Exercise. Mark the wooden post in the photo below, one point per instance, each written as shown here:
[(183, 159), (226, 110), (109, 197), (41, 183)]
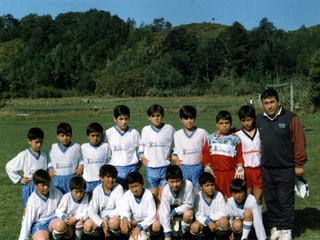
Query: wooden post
[(291, 96)]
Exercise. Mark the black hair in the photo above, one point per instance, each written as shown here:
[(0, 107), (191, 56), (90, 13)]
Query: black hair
[(206, 177), (173, 172), (77, 183), (64, 128), (41, 176), (35, 133), (134, 177), (247, 111), (121, 110), (269, 93), (155, 108), (108, 170), (237, 185), (188, 112), (94, 127), (224, 115)]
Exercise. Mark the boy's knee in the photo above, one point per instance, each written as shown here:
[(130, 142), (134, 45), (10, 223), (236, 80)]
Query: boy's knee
[(59, 225), (156, 226), (237, 225), (223, 223), (248, 215), (188, 216), (79, 224), (114, 223), (88, 226), (195, 227)]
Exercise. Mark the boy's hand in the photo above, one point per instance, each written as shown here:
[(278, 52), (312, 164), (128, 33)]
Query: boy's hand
[(52, 172), (208, 168), (79, 170), (70, 220), (232, 236), (106, 229), (138, 165), (201, 159), (239, 172), (25, 180), (169, 157), (144, 160), (135, 233), (213, 227), (125, 226), (167, 238), (177, 160)]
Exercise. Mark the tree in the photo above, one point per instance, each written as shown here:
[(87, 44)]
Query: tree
[(314, 79)]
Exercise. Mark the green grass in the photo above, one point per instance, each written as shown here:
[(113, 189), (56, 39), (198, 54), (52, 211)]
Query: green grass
[(14, 140)]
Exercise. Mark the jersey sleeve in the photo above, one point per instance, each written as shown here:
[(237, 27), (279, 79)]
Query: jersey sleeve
[(79, 155), (125, 208), (61, 211), (299, 140), (222, 211), (83, 214), (257, 221), (165, 215), (207, 159), (151, 206), (239, 153), (119, 203), (187, 201), (29, 219), (142, 143), (201, 217), (14, 165), (93, 209), (49, 163)]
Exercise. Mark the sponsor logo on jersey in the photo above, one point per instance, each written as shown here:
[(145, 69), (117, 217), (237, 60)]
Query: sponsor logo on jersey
[(63, 166), (119, 148), (30, 172), (95, 161), (190, 151), (222, 149), (106, 208), (154, 145), (258, 152)]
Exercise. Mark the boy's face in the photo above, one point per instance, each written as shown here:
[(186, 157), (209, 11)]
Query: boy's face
[(156, 119), (94, 138), (239, 196), (108, 181), (208, 188), (136, 188), (77, 194), (248, 123), (122, 122), (64, 138), (224, 125), (188, 123), (43, 189), (174, 183), (35, 144)]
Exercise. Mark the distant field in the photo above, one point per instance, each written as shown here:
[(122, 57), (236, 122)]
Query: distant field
[(15, 128)]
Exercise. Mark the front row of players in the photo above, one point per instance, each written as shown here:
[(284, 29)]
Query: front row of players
[(111, 212)]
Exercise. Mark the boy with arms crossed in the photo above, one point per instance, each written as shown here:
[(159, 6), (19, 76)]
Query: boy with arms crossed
[(28, 161), (138, 209), (40, 212), (222, 154), (104, 211), (177, 200), (65, 159), (154, 150), (123, 142), (73, 208), (189, 144)]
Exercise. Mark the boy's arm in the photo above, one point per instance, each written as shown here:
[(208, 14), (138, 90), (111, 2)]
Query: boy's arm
[(126, 208), (151, 206), (201, 217), (240, 162), (61, 211), (222, 211), (257, 221), (80, 162), (142, 149), (119, 197), (29, 219), (13, 166), (93, 209), (51, 170), (165, 216), (175, 153), (187, 201), (83, 214)]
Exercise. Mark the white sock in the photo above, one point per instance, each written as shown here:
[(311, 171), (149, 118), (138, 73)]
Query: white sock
[(57, 235), (78, 233), (246, 229), (184, 227)]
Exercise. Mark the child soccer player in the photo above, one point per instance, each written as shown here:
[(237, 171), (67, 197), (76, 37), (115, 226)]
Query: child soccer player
[(104, 211), (40, 212), (65, 159), (138, 209), (123, 142), (73, 208), (251, 150), (189, 144), (222, 154), (244, 211), (154, 151), (210, 208), (94, 154), (28, 161), (177, 200)]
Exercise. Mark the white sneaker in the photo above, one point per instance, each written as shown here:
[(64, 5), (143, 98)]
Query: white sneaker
[(275, 234), (285, 235)]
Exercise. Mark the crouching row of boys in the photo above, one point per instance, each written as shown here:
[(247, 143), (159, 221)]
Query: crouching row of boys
[(111, 212)]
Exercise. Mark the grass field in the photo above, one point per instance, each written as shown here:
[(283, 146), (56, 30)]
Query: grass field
[(14, 140)]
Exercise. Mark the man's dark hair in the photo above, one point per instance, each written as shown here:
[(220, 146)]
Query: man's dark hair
[(206, 177), (108, 170), (188, 112), (134, 177), (247, 111), (224, 115), (64, 128), (173, 172), (94, 127), (155, 108), (41, 176), (35, 133), (237, 185), (269, 93), (121, 110), (77, 183)]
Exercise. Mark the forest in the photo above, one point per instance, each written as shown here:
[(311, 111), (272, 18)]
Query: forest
[(96, 53)]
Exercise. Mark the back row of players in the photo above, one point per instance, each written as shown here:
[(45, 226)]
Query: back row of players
[(221, 153)]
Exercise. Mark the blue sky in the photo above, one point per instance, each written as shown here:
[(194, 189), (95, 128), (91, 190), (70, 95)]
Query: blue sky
[(284, 14)]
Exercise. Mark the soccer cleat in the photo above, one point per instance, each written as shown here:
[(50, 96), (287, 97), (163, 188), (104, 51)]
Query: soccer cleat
[(275, 234), (285, 235)]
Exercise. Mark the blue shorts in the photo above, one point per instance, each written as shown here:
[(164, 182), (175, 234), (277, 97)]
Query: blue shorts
[(123, 173), (26, 192), (156, 176), (192, 173), (42, 225), (62, 182), (91, 186)]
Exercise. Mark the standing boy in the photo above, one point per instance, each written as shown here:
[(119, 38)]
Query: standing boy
[(95, 154), (73, 208), (40, 212), (154, 150), (123, 142), (28, 161), (65, 159), (189, 144), (222, 154)]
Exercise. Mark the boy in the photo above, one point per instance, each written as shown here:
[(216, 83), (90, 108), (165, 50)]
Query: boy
[(189, 144), (94, 154), (244, 211), (138, 209), (28, 161), (104, 212), (123, 142), (251, 150), (177, 200), (65, 159), (73, 208), (222, 154), (210, 208), (40, 212), (154, 150)]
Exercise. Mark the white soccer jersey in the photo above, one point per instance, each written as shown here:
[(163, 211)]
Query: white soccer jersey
[(123, 146), (189, 147), (39, 209), (210, 211), (236, 211), (144, 211), (27, 162), (69, 207), (64, 161), (105, 205), (93, 158), (180, 204), (251, 148)]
